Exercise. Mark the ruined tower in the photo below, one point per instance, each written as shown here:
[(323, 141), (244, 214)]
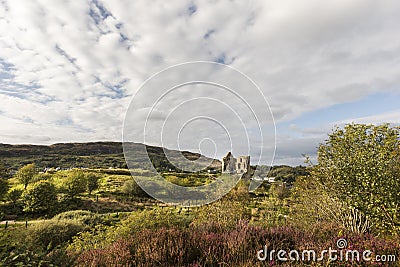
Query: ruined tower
[(235, 165)]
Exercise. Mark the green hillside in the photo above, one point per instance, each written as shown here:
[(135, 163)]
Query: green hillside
[(88, 155)]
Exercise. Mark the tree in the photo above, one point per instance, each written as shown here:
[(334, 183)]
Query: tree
[(74, 184), (14, 195), (25, 174), (40, 197), (360, 166), (92, 182), (131, 188)]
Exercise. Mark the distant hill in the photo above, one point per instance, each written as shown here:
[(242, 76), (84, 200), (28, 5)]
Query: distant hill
[(88, 155)]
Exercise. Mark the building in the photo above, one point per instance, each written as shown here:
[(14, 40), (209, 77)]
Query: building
[(231, 164)]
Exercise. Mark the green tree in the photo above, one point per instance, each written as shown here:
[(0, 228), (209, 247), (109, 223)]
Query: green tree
[(25, 174), (14, 195), (74, 184), (40, 197), (360, 166), (131, 188), (92, 182)]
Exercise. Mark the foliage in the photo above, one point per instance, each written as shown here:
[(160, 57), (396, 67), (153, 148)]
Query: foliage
[(82, 216), (229, 232), (223, 213), (101, 237), (74, 184), (279, 190), (40, 198), (92, 182), (42, 176), (131, 188), (286, 173), (153, 219), (3, 187), (14, 195), (188, 180), (3, 171), (112, 183), (18, 250), (227, 211), (360, 166), (220, 246), (49, 234), (26, 174), (311, 204), (271, 212)]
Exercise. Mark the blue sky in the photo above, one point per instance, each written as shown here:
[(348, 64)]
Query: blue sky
[(369, 105), (313, 127), (336, 115), (70, 69)]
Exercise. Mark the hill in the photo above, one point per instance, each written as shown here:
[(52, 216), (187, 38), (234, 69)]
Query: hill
[(88, 155)]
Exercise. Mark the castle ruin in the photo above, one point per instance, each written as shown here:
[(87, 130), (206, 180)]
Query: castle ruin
[(238, 165)]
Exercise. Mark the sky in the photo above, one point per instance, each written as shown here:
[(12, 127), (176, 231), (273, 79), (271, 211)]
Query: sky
[(69, 70)]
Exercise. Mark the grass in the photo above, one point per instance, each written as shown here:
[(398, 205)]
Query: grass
[(233, 228)]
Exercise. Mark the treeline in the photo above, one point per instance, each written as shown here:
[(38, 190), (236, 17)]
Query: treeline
[(42, 193)]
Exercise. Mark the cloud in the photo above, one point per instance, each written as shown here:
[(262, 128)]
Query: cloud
[(69, 68), (392, 117)]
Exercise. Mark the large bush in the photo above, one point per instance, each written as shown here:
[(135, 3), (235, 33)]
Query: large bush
[(74, 184), (131, 188), (41, 198), (153, 219), (360, 166), (51, 233)]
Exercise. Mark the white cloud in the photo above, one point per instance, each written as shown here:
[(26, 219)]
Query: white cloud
[(392, 117), (69, 68)]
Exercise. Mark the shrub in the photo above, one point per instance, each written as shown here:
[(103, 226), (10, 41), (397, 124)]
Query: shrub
[(14, 195), (16, 251), (41, 197), (359, 165), (131, 188), (221, 213), (101, 236), (153, 219), (3, 187), (74, 184), (52, 233), (198, 246), (82, 216)]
